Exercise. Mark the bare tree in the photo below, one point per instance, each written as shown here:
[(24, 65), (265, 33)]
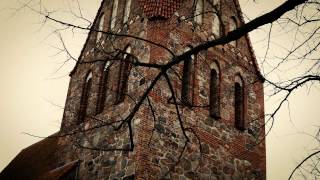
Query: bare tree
[(299, 17)]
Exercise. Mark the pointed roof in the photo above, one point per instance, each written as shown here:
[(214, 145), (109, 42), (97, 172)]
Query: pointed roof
[(39, 161), (60, 172), (160, 8), (33, 161)]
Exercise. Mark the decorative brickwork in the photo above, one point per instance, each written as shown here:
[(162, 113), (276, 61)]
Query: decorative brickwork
[(160, 8)]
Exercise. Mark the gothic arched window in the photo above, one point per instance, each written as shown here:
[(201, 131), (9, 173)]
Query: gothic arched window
[(233, 26), (216, 29), (239, 103), (186, 81), (85, 98), (214, 99), (100, 28), (104, 87), (198, 13), (124, 71), (127, 11), (114, 14)]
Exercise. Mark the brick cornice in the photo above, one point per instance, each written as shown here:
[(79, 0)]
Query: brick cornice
[(160, 8)]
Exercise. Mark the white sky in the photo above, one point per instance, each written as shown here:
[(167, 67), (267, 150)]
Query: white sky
[(31, 88)]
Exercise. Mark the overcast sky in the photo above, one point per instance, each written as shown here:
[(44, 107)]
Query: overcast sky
[(33, 88)]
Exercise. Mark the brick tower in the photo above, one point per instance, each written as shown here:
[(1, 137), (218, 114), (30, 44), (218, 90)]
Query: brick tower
[(205, 122)]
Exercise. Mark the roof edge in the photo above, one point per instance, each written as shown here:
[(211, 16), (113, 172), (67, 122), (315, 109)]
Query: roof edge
[(254, 58)]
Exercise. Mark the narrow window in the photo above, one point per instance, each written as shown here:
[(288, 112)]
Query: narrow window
[(216, 31), (198, 13), (101, 25), (233, 26), (127, 12), (85, 98), (104, 87), (186, 81), (214, 99), (114, 14), (124, 72), (239, 104)]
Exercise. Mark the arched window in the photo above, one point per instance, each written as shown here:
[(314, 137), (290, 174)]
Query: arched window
[(127, 12), (101, 26), (233, 26), (214, 99), (216, 30), (124, 72), (85, 98), (198, 13), (104, 87), (239, 103), (114, 14), (186, 81)]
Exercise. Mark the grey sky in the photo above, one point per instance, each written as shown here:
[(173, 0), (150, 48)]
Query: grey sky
[(33, 92)]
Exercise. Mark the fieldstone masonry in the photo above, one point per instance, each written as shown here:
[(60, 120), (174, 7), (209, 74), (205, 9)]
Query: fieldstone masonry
[(217, 149)]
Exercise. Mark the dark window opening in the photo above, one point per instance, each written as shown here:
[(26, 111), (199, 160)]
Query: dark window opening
[(124, 72), (214, 95), (186, 79), (239, 107), (104, 88), (85, 99)]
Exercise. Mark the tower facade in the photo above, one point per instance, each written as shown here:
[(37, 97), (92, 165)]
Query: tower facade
[(209, 125), (129, 116)]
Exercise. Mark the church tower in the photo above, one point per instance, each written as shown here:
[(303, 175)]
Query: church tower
[(210, 125), (130, 116)]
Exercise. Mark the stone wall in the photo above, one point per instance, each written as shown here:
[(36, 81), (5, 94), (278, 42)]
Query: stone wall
[(216, 150)]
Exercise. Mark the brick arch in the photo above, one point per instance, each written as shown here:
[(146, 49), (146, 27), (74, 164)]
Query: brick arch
[(215, 65), (238, 79), (160, 8)]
